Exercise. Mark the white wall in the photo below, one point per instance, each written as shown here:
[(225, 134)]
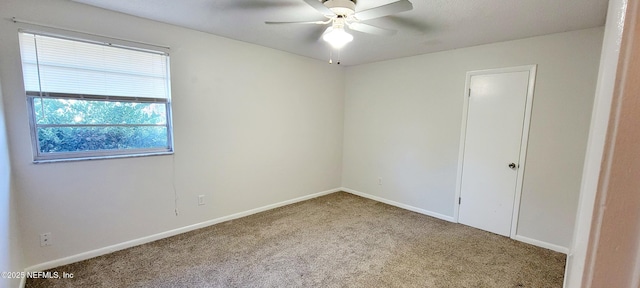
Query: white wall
[(403, 119), (253, 127), (11, 258)]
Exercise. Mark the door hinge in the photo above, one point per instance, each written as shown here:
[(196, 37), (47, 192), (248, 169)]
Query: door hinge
[(459, 200), (469, 95)]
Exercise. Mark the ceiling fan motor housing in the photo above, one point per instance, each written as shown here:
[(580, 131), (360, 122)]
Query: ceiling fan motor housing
[(343, 8)]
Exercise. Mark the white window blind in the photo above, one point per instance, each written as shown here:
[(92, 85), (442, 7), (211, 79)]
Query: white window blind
[(91, 100), (63, 66)]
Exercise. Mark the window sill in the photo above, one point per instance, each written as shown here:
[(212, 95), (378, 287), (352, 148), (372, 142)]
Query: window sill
[(101, 157)]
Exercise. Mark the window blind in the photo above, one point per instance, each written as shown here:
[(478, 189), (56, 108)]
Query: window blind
[(57, 65)]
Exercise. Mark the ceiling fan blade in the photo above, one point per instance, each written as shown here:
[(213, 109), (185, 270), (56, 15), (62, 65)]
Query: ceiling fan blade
[(296, 22), (370, 29), (384, 10), (320, 7)]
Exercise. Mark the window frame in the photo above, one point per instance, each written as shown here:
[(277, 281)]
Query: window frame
[(43, 157)]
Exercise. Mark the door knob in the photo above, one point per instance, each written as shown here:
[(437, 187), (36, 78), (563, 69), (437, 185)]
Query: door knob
[(513, 165)]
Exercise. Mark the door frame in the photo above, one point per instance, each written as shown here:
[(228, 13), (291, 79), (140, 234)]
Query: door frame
[(523, 143)]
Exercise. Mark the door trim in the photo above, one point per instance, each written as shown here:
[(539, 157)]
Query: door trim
[(523, 143)]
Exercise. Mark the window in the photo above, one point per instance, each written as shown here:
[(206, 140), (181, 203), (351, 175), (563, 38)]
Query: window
[(92, 100)]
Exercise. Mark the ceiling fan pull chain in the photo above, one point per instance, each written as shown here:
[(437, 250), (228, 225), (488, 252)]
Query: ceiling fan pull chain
[(330, 56)]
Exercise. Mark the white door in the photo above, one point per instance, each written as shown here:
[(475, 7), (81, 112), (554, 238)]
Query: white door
[(494, 134)]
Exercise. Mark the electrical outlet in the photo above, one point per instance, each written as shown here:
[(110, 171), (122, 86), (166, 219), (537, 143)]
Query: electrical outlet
[(45, 239), (200, 200), (379, 180)]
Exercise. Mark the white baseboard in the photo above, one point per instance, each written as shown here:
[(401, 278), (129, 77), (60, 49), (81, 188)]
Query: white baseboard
[(151, 238), (542, 244), (399, 205), (166, 234), (520, 238)]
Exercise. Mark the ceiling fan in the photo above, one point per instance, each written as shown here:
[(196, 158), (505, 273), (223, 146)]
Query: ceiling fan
[(342, 13)]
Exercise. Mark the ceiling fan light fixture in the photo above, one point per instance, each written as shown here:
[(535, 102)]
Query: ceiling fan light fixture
[(337, 37), (344, 8)]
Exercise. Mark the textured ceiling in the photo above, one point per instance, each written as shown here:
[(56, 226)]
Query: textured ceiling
[(433, 25)]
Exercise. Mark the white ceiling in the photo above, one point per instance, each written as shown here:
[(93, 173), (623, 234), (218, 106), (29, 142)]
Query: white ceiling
[(433, 25)]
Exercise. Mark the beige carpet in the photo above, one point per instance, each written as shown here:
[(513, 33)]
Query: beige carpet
[(338, 240)]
